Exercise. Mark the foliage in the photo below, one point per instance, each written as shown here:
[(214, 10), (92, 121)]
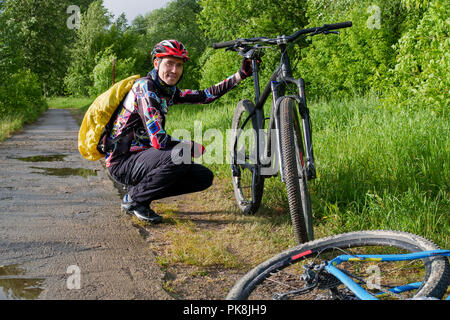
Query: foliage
[(21, 86), (21, 94), (11, 56), (398, 48), (251, 18), (41, 38), (102, 73), (356, 60), (420, 75), (90, 41), (99, 33), (178, 20)]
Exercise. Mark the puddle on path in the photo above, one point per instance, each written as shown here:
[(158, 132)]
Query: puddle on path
[(66, 172), (43, 158), (13, 287)]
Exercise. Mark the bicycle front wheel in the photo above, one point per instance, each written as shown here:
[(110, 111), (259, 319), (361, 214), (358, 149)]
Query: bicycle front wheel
[(283, 276), (292, 152)]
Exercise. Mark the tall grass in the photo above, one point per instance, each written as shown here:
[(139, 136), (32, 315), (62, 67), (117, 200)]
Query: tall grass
[(77, 105), (377, 167), (69, 102), (382, 169), (9, 124), (13, 122)]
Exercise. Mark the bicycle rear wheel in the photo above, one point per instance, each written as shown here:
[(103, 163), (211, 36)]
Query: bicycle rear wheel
[(292, 152), (283, 273), (248, 183)]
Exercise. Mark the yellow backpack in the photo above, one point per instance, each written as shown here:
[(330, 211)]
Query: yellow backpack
[(99, 115)]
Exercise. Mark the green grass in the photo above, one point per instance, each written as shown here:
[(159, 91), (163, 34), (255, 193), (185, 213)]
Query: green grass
[(377, 168), (69, 102), (77, 105), (382, 169), (14, 121), (10, 124)]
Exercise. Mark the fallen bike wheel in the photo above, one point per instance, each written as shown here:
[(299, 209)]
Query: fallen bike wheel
[(288, 275), (248, 183)]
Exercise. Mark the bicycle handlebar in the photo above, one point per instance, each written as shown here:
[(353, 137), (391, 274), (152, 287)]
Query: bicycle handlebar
[(225, 44), (282, 39), (339, 25)]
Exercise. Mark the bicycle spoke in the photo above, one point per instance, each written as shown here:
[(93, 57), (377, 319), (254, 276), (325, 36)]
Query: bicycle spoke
[(291, 282), (247, 183)]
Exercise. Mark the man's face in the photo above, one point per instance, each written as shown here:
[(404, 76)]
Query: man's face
[(170, 69)]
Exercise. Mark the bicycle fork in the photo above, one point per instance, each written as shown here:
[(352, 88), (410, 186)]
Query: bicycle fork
[(275, 123)]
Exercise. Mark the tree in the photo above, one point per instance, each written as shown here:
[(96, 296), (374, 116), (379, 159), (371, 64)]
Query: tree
[(357, 60), (102, 72), (420, 75), (10, 40), (176, 21), (100, 38), (90, 40), (20, 89), (39, 40)]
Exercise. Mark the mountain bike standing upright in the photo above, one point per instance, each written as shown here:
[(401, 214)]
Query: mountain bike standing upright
[(288, 133)]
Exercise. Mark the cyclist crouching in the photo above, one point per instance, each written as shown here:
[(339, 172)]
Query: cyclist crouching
[(144, 161)]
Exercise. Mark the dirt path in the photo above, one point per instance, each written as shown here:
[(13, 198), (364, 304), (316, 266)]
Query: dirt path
[(204, 214), (60, 220), (60, 215)]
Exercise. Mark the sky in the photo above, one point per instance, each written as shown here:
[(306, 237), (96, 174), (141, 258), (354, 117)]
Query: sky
[(133, 8)]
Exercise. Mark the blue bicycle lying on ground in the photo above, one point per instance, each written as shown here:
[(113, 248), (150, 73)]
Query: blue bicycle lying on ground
[(364, 265)]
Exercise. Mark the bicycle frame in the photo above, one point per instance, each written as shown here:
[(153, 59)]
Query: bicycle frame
[(277, 85), (362, 293)]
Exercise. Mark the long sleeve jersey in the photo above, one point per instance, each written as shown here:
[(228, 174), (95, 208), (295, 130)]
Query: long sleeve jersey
[(145, 109)]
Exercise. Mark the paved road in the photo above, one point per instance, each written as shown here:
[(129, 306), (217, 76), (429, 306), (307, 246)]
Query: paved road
[(60, 223)]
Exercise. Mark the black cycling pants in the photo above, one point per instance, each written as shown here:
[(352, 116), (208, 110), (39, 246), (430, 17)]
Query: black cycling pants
[(152, 175)]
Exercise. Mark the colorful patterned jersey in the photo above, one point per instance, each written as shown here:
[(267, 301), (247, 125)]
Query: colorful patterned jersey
[(146, 107)]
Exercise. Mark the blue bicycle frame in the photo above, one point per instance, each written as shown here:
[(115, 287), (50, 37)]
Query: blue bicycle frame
[(358, 290)]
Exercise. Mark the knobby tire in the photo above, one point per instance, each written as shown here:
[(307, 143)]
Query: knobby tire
[(295, 179)]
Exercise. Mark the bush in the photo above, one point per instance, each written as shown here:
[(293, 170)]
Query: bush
[(231, 19), (102, 74), (420, 76), (22, 94), (357, 59)]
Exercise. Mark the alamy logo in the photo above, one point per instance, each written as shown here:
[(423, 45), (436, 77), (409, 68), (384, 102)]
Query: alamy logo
[(374, 20), (74, 280), (73, 21)]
